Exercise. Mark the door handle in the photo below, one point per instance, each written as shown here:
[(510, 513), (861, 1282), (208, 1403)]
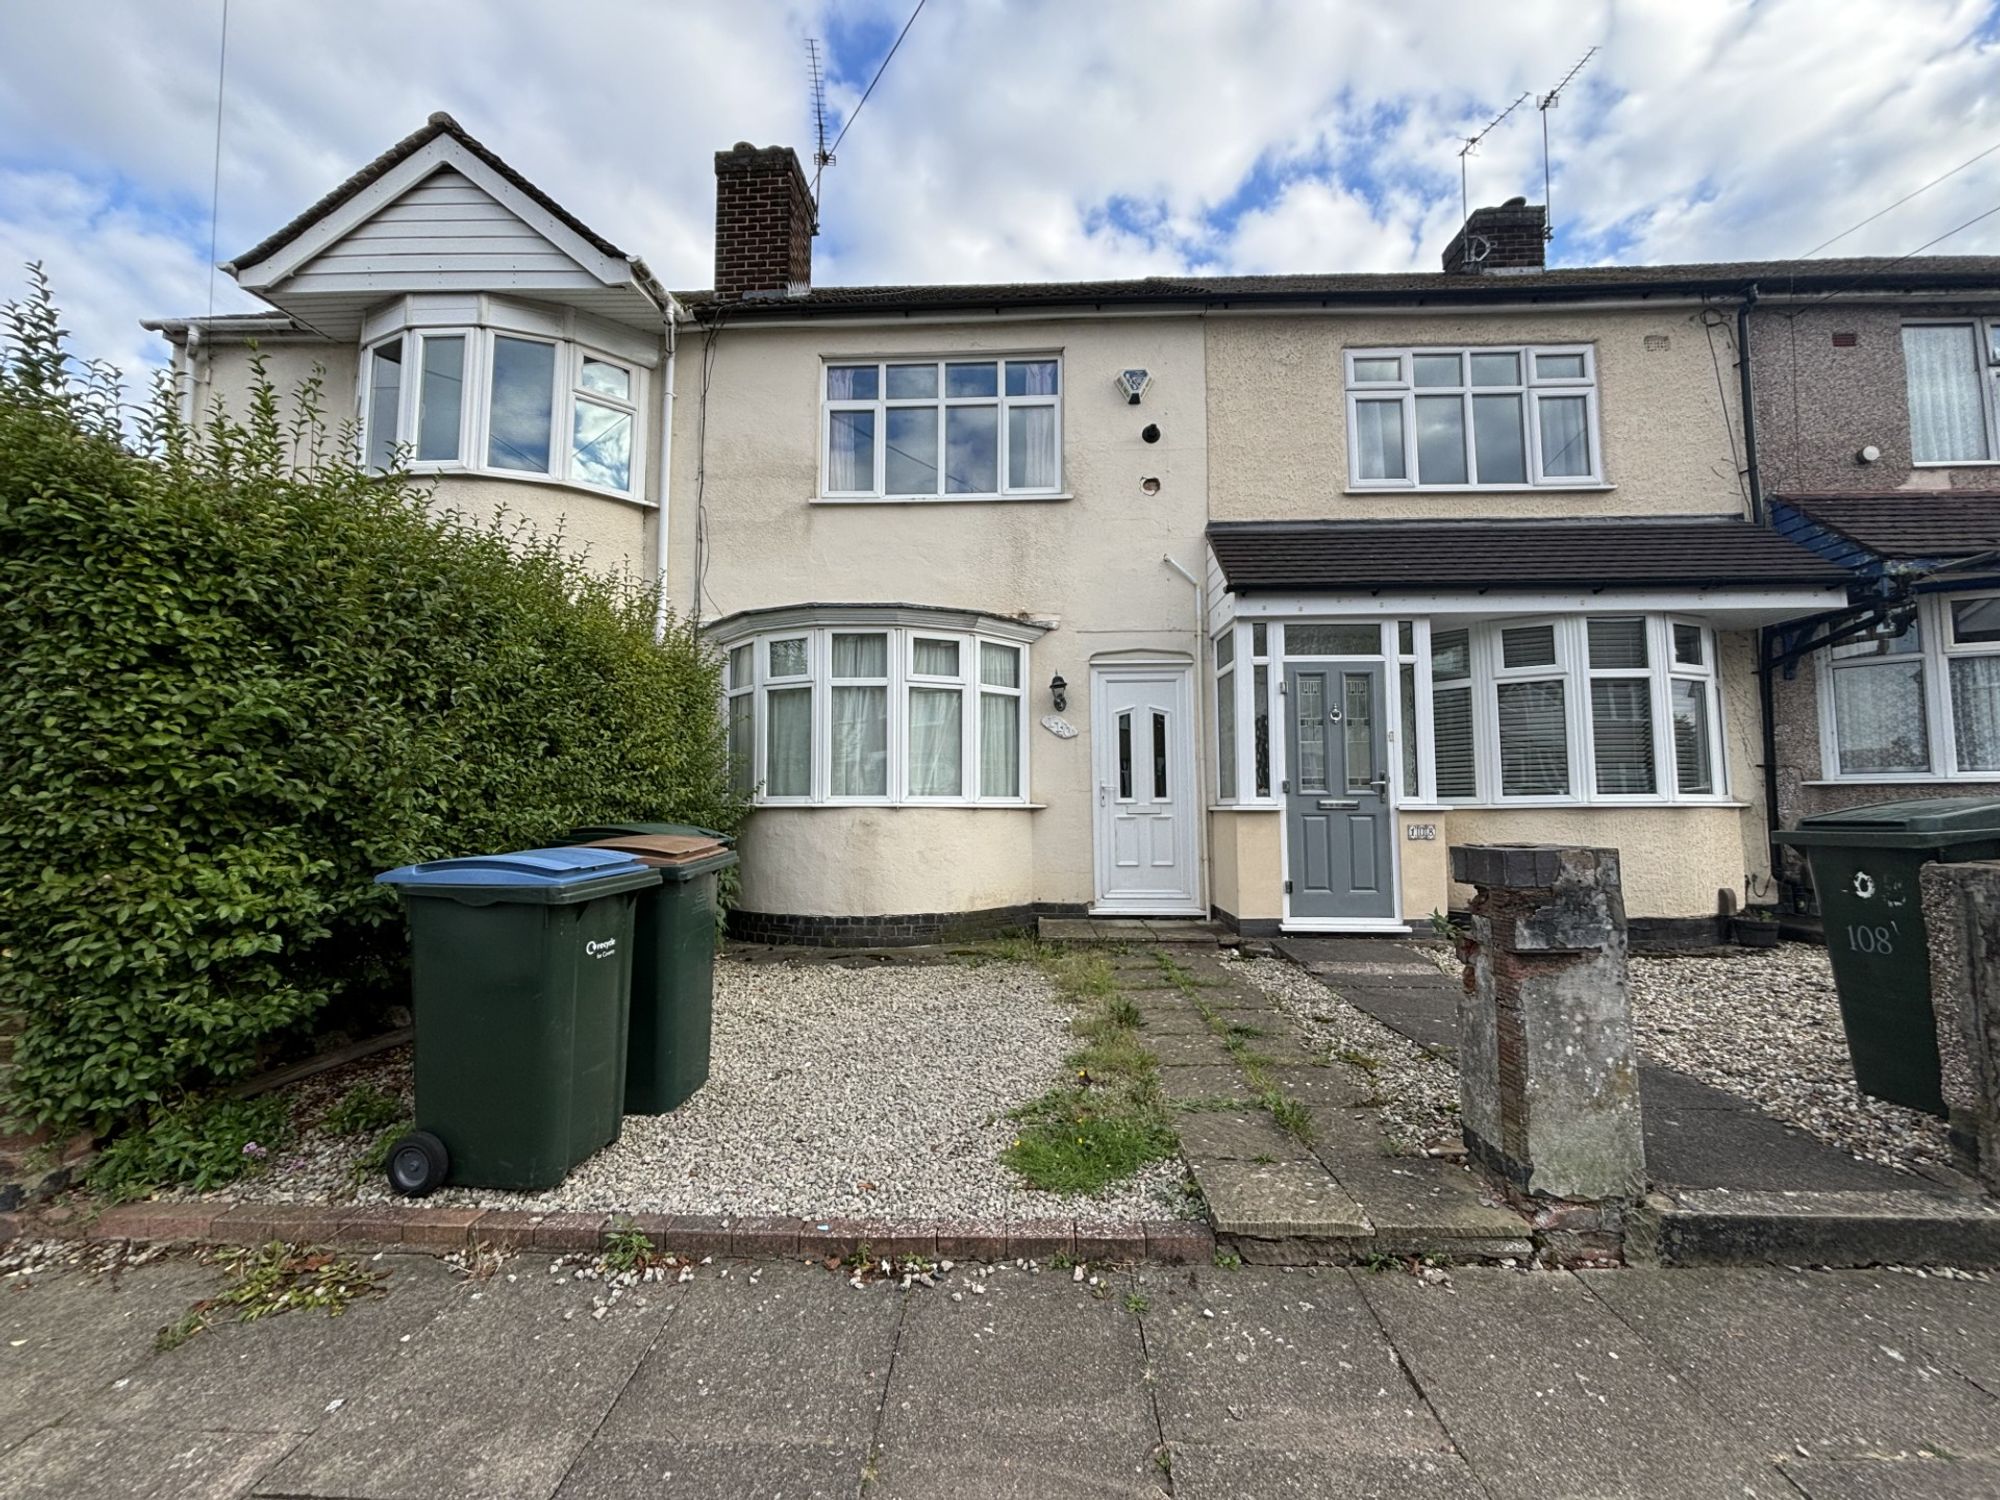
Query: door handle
[(1103, 793), (1329, 804)]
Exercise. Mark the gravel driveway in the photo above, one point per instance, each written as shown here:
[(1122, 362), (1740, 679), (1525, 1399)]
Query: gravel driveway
[(866, 1093)]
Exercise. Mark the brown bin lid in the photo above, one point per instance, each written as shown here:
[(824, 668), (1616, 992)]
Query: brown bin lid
[(663, 850)]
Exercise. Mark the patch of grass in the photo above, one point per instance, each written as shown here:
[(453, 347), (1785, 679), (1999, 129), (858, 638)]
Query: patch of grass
[(275, 1278), (627, 1247), (1289, 1115), (1071, 1146), (1136, 1302), (1379, 1261), (200, 1144), (363, 1107), (1212, 1104), (1243, 1031)]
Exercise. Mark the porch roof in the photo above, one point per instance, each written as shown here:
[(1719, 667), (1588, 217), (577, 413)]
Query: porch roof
[(1862, 531), (1347, 557)]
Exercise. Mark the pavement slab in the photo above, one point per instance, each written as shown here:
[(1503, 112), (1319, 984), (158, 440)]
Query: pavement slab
[(1550, 1396), (1226, 1135), (1420, 1195), (1957, 1321), (1223, 1081), (497, 1397), (1762, 1352), (1033, 1388), (139, 1463), (1204, 1473), (716, 1471), (1900, 1478), (1277, 1200), (1190, 1050)]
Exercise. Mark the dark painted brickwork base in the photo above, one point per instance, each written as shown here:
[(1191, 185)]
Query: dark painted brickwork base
[(1250, 927), (906, 930), (1655, 935)]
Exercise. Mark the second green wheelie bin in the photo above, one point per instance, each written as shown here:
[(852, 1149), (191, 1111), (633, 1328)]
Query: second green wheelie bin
[(1865, 867), (673, 973), (521, 969)]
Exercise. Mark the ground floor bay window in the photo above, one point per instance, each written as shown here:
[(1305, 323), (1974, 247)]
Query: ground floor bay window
[(1921, 706)]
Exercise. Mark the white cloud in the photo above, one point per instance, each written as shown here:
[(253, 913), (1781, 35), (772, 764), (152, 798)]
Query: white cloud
[(1011, 139)]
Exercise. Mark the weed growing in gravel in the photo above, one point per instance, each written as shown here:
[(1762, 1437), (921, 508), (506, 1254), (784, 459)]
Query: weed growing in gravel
[(271, 1279), (200, 1144), (363, 1107), (627, 1247), (374, 1156)]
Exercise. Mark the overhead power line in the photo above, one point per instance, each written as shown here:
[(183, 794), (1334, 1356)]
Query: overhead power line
[(1901, 201), (215, 176), (848, 124)]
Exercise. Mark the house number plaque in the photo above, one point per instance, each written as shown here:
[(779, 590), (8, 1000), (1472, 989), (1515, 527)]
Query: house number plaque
[(1062, 729), (1418, 832)]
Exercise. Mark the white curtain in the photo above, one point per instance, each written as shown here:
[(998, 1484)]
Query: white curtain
[(850, 458), (788, 751), (929, 658), (1947, 420), (936, 745), (999, 745), (1378, 440), (1878, 714), (1565, 435), (1031, 448), (1975, 711)]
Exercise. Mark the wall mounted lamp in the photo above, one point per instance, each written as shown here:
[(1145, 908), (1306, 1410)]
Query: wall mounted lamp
[(1057, 689)]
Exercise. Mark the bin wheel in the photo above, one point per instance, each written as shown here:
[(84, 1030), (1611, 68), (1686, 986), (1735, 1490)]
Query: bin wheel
[(418, 1163)]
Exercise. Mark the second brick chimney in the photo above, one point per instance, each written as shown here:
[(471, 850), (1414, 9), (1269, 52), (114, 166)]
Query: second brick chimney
[(1512, 237), (764, 221)]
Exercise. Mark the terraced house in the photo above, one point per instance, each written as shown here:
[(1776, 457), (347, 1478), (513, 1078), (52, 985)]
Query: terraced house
[(1175, 596)]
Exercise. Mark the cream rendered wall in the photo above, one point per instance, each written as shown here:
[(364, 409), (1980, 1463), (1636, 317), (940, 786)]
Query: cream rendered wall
[(887, 861), (1277, 414), (1244, 863), (1093, 560), (1673, 859)]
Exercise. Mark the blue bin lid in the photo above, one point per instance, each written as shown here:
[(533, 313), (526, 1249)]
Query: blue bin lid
[(525, 869)]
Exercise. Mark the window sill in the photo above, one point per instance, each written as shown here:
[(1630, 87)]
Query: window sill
[(1593, 487), (1913, 778), (1948, 463), (547, 482), (936, 499), (884, 805), (1615, 804), (1245, 807)]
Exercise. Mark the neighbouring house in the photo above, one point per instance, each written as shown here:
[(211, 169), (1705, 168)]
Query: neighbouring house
[(1174, 596)]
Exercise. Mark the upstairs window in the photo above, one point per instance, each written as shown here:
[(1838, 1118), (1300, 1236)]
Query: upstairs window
[(1953, 371), (952, 429), (1486, 418)]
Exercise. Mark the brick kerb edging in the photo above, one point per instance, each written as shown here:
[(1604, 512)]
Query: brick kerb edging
[(441, 1230)]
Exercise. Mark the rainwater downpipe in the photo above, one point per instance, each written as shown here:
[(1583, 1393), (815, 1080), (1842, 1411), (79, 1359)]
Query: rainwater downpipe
[(1767, 697), (666, 489), (1200, 739)]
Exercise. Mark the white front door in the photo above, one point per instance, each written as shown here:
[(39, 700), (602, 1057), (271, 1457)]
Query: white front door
[(1142, 734)]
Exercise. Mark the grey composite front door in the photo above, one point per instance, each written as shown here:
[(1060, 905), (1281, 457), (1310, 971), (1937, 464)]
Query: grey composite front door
[(1337, 793)]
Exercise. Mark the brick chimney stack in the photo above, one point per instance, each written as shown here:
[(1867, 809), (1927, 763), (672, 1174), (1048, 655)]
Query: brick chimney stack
[(1512, 237), (764, 221)]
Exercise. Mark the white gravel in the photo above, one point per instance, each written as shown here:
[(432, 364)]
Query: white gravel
[(878, 1093), (1765, 1024)]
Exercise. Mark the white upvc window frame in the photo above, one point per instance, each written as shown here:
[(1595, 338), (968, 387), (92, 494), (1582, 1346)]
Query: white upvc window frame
[(882, 404), (1937, 649), (1229, 739), (1533, 388), (1563, 668), (1985, 333), (739, 688)]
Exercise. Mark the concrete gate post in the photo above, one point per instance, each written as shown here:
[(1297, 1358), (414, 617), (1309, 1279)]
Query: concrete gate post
[(1549, 1084), (1962, 926)]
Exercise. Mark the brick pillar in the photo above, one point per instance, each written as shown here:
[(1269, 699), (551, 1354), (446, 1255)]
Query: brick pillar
[(1549, 1085), (1962, 927)]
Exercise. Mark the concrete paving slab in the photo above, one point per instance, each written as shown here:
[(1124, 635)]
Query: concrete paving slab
[(1336, 1085), (1896, 1478), (1418, 1195), (86, 1463), (1700, 1136), (1034, 1388), (1957, 1321), (65, 1335), (1550, 1396), (1426, 1014), (1189, 1050), (1278, 1200), (1178, 1020), (1204, 1473), (1205, 1083), (1721, 1226), (498, 1397), (1226, 1136), (1265, 1361), (795, 1360), (281, 1374), (1762, 1353), (716, 1471)]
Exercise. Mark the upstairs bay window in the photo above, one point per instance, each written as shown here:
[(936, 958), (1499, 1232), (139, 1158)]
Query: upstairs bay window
[(1953, 370), (958, 429), (1504, 417), (1921, 706)]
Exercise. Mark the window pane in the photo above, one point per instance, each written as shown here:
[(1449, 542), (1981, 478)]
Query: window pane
[(1451, 742), (913, 382), (1947, 414), (1225, 649), (788, 658), (440, 391), (1438, 369), (788, 742), (1501, 446), (971, 380), (1496, 369), (1451, 654), (1225, 735), (1333, 640), (972, 455), (742, 728), (1159, 757), (1031, 448), (607, 379), (850, 452), (601, 452), (1378, 369), (1406, 638), (861, 655), (1621, 727), (1440, 440), (1378, 440), (1407, 686), (912, 441), (1559, 366), (1311, 717), (934, 658), (385, 395), (523, 415), (1616, 644), (936, 751), (1975, 712), (1688, 648), (1534, 745), (739, 666), (999, 666), (851, 382), (1528, 646), (1260, 725), (860, 749), (1031, 377), (1975, 621), (1693, 770), (999, 745), (1909, 643), (1878, 712), (1358, 728), (1565, 436), (1125, 755)]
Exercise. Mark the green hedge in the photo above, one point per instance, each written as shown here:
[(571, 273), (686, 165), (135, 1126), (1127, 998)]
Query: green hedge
[(241, 678)]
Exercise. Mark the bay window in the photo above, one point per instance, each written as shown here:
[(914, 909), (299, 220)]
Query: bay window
[(922, 429), (1953, 374), (1504, 417), (1921, 706), (872, 706)]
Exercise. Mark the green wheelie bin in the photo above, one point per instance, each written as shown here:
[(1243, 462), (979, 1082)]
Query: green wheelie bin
[(1865, 865), (521, 972), (673, 974)]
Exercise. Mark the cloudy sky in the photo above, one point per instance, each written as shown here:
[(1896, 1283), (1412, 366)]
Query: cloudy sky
[(1010, 139)]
